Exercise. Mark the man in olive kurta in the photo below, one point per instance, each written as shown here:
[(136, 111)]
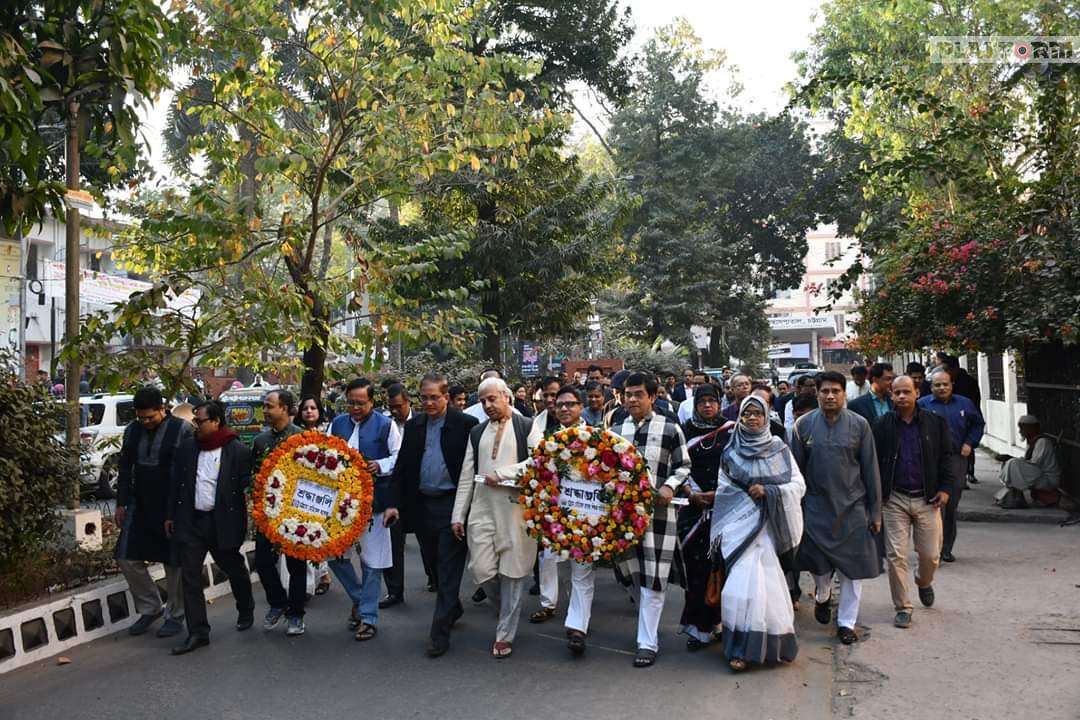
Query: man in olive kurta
[(834, 448)]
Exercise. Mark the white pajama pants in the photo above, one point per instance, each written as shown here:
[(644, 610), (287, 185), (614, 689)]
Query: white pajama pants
[(649, 610), (549, 580), (582, 584), (847, 612)]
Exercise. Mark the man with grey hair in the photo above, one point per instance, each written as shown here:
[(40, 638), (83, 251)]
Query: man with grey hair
[(485, 511)]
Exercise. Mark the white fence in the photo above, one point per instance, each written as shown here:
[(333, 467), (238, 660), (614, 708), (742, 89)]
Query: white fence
[(42, 631)]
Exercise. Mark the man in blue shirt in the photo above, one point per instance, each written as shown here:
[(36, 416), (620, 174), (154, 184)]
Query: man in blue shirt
[(966, 426)]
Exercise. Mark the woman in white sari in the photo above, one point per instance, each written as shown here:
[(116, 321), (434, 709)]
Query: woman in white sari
[(757, 518)]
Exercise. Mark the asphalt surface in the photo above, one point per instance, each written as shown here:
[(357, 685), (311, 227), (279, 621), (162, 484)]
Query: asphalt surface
[(327, 674), (1002, 641)]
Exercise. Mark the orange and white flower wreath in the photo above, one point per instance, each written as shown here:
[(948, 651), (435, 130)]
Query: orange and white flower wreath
[(327, 461)]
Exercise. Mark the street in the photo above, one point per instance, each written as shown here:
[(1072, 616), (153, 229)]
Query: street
[(990, 648)]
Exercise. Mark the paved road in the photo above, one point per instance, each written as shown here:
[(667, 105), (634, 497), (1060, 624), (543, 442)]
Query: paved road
[(1001, 642), (325, 673)]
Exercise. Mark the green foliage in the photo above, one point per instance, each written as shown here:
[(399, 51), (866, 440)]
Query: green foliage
[(105, 55), (36, 473), (724, 209), (307, 118), (965, 174)]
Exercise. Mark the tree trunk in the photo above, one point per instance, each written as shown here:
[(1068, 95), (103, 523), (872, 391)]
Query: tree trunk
[(315, 355), (489, 307), (714, 357)]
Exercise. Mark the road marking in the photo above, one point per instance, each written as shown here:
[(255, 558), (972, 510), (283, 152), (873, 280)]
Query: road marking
[(598, 647)]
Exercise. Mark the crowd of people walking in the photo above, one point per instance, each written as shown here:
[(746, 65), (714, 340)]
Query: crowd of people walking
[(754, 484)]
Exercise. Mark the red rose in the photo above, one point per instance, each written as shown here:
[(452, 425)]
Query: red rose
[(271, 500), (320, 461), (316, 534), (300, 530), (276, 483), (331, 463), (609, 458), (311, 455)]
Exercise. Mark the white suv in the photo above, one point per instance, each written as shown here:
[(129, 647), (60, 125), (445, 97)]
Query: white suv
[(106, 416)]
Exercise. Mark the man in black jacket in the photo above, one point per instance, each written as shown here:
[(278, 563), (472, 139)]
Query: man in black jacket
[(208, 513), (423, 489), (878, 401), (918, 473)]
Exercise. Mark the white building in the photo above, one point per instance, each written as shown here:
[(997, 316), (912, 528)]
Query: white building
[(41, 272), (799, 334)]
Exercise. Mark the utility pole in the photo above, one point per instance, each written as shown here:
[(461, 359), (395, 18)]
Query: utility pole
[(72, 371)]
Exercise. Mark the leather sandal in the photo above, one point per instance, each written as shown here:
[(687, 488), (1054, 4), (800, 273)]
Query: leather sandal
[(737, 664), (501, 649), (365, 632), (644, 658), (542, 615)]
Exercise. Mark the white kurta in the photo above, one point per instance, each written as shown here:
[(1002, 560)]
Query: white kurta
[(495, 527), (375, 548)]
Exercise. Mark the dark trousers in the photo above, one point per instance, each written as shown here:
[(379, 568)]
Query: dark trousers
[(395, 576), (448, 559), (948, 518), (192, 546), (266, 564)]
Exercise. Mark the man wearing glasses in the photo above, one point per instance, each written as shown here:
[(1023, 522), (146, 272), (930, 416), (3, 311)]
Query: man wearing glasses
[(424, 486), (278, 407), (142, 495)]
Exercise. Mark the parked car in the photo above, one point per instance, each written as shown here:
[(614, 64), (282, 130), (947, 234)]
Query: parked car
[(104, 419)]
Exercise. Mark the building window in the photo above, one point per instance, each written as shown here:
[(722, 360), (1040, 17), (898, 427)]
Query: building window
[(95, 261), (995, 365), (31, 261), (832, 251)]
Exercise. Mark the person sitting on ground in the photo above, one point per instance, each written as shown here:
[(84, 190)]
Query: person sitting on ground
[(1038, 471)]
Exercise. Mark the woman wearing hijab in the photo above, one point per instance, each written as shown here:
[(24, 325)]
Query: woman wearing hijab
[(706, 437), (756, 519)]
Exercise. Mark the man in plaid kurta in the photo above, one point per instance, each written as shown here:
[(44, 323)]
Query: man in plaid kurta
[(662, 443)]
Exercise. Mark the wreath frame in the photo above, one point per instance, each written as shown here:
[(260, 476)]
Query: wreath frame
[(330, 462), (587, 454)]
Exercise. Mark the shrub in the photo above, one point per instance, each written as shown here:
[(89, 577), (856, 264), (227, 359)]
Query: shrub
[(36, 472)]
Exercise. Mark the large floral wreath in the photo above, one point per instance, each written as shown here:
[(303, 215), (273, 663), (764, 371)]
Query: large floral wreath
[(312, 496), (610, 505)]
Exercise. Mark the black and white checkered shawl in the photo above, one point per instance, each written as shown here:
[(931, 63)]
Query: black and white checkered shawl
[(663, 445)]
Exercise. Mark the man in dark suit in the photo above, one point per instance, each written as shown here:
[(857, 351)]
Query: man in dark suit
[(423, 489), (878, 401), (207, 512)]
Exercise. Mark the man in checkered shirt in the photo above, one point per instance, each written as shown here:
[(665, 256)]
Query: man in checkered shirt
[(660, 440)]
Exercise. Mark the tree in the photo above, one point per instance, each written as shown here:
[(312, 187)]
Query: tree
[(341, 111), (723, 217), (967, 174), (98, 59)]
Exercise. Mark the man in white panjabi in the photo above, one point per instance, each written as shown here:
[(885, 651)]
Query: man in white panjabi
[(501, 553)]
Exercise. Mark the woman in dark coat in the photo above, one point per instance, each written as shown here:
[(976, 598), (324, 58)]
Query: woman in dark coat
[(706, 437)]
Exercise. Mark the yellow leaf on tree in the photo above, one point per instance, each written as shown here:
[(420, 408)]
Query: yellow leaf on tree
[(451, 110), (475, 163)]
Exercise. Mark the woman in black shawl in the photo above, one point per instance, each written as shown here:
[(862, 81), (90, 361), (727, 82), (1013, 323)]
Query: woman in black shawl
[(706, 436)]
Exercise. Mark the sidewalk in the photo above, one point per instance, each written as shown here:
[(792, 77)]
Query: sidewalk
[(977, 502)]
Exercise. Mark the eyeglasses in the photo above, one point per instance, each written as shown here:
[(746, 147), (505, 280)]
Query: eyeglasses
[(355, 403), (431, 398), (566, 404), (752, 414)]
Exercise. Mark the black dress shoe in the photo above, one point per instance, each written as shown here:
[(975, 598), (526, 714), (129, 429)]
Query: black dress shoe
[(926, 596), (244, 622), (823, 611), (437, 647), (948, 557), (479, 596), (193, 642), (390, 601), (847, 635)]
